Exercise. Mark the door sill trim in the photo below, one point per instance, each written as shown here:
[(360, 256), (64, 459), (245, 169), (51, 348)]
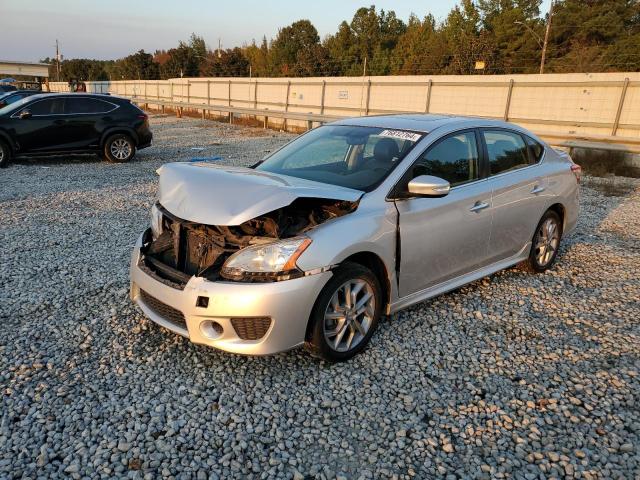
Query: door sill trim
[(459, 281)]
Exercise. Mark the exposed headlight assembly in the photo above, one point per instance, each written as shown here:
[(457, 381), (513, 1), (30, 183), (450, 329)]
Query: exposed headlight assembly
[(268, 262), (156, 221)]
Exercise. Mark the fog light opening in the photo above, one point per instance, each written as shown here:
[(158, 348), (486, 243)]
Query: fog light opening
[(211, 329)]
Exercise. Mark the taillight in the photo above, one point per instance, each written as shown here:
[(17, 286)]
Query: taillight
[(577, 171), (142, 116)]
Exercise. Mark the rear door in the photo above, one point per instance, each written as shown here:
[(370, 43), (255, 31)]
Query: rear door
[(442, 238), (518, 187), (84, 116)]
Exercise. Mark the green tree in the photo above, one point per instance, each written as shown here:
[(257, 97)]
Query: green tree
[(284, 50), (466, 42), (595, 35), (139, 66), (514, 28)]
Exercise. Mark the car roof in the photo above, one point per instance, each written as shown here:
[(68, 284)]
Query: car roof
[(422, 122), (101, 96)]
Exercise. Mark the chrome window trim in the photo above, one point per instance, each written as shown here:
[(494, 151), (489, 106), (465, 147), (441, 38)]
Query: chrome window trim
[(26, 107)]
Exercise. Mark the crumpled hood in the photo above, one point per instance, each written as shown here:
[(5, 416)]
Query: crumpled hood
[(222, 195)]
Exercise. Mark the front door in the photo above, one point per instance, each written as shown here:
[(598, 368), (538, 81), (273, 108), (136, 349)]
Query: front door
[(43, 130), (443, 238)]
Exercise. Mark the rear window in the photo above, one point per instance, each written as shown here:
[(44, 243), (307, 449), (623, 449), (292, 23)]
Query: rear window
[(82, 105), (507, 151), (535, 149)]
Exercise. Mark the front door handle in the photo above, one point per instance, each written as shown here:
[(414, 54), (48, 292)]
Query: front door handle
[(479, 206), (538, 189), (59, 122)]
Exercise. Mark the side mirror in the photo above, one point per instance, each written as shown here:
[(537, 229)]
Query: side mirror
[(24, 114), (2, 104), (429, 186)]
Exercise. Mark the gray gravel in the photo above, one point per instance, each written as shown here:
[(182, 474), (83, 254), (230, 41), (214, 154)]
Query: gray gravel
[(514, 376)]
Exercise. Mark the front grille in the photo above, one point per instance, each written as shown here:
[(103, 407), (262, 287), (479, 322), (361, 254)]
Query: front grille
[(251, 328), (163, 310)]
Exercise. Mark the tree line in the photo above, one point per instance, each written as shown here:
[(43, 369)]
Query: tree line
[(502, 36)]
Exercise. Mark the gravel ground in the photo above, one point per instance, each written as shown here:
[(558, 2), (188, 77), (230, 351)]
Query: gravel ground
[(513, 376)]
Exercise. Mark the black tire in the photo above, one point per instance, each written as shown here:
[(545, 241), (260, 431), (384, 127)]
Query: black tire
[(5, 154), (317, 342), (537, 262), (119, 148)]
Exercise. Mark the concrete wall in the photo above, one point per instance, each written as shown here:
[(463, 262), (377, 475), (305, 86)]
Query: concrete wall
[(594, 105)]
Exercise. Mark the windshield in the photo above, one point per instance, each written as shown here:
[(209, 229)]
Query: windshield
[(348, 156)]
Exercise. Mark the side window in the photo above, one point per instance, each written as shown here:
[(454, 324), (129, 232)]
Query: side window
[(535, 149), (454, 159), (53, 106), (507, 151), (82, 105)]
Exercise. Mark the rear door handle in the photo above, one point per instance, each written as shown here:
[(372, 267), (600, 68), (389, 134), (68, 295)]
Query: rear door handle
[(538, 189), (479, 206)]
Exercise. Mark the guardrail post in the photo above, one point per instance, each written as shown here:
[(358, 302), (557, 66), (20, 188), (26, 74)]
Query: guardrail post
[(255, 95), (229, 99), (265, 124), (324, 87), (428, 102), (506, 108), (623, 94), (286, 105), (366, 104)]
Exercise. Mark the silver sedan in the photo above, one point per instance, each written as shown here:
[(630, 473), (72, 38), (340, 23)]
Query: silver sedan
[(348, 222)]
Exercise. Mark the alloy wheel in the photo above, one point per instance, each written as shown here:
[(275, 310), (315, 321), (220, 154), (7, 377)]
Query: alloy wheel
[(120, 149), (547, 241), (349, 315)]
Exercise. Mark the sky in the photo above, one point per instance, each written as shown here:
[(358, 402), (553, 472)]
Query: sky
[(111, 29)]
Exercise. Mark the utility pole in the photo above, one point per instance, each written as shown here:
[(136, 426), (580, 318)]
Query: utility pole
[(546, 38), (57, 61)]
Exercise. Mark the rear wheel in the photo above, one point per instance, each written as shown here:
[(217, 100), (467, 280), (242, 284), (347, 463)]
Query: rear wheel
[(546, 242), (5, 154), (119, 148), (345, 314)]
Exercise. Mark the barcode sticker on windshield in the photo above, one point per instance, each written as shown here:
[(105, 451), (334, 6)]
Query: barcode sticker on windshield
[(401, 134)]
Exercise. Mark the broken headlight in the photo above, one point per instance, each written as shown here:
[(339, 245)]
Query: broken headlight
[(268, 262), (156, 221)]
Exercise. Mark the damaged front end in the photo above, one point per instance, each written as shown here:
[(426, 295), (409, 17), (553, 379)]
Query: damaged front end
[(175, 249)]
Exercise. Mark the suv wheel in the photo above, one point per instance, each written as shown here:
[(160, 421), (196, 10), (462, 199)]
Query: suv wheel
[(119, 148), (5, 155), (345, 314), (546, 242)]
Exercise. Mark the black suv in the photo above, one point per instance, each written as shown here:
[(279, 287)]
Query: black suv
[(57, 123)]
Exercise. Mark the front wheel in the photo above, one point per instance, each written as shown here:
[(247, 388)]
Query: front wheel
[(546, 242), (345, 314), (5, 155), (119, 148)]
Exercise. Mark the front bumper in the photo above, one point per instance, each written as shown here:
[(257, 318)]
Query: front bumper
[(288, 304)]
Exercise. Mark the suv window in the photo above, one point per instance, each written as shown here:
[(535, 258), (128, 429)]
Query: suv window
[(507, 151), (53, 106), (535, 148), (455, 159), (82, 105)]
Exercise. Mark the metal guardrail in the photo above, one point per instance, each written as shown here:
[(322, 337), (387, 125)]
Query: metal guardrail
[(570, 141)]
